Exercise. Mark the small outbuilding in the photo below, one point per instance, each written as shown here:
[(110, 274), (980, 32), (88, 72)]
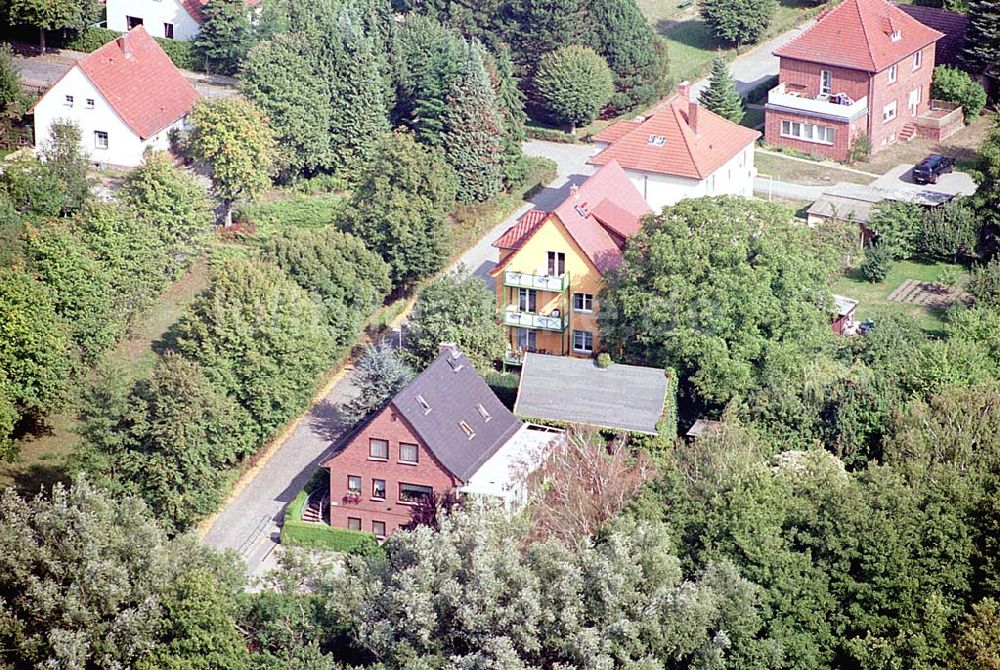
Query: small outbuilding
[(703, 427), (576, 390), (844, 323)]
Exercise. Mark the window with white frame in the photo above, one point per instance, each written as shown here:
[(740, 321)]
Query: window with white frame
[(68, 101), (378, 529), (583, 302), (807, 132), (90, 103), (354, 484), (825, 82), (889, 112), (411, 493), (893, 73), (378, 489), (918, 58), (100, 139), (527, 300), (583, 341)]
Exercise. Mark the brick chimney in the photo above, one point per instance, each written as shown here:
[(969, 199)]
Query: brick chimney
[(693, 116), (123, 43)]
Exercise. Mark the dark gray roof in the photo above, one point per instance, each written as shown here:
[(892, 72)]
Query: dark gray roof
[(453, 390), (575, 390)]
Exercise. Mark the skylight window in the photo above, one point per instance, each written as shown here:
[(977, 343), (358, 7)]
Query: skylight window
[(424, 405), (467, 429), (455, 363), (483, 412), (657, 140)]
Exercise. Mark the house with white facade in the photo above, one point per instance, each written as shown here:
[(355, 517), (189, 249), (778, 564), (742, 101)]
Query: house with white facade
[(172, 19), (126, 97), (681, 150)]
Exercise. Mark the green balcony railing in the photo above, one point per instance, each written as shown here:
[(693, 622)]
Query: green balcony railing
[(552, 283), (513, 317)]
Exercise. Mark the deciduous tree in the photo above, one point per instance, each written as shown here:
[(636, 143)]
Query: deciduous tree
[(573, 84), (399, 206), (955, 86), (63, 157), (457, 308), (52, 15), (950, 230), (234, 138)]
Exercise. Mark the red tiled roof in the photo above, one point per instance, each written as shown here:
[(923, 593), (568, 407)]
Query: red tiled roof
[(857, 34), (140, 82), (616, 131), (604, 207), (608, 191), (951, 24), (194, 7), (665, 143), (517, 234)]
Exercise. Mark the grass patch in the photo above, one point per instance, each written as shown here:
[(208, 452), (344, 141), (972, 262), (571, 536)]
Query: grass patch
[(382, 319), (809, 174), (963, 146), (874, 298), (297, 210), (799, 207)]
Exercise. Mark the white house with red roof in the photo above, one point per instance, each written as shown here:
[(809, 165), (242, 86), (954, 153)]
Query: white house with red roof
[(172, 19), (864, 69), (681, 150), (125, 97)]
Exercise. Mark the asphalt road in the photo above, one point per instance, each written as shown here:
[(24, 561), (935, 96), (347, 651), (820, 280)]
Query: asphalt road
[(249, 524)]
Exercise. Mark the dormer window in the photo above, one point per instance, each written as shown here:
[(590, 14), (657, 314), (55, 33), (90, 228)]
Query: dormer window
[(424, 405), (918, 57), (467, 429), (895, 36), (483, 412), (455, 363)]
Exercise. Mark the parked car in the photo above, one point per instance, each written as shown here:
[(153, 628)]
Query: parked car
[(929, 169)]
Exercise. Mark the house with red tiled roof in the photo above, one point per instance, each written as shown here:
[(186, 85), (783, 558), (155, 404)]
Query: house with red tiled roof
[(681, 150), (170, 19), (863, 70), (126, 97), (552, 265)]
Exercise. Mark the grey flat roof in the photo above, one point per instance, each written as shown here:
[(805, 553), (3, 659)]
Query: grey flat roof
[(575, 390)]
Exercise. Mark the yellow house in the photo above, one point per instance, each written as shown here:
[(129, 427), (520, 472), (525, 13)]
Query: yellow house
[(552, 265)]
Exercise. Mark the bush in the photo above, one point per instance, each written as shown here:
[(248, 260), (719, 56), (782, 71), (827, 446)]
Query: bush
[(877, 264), (181, 53), (604, 360), (861, 148), (956, 86), (90, 39), (504, 386), (949, 230), (298, 533), (897, 226), (985, 284)]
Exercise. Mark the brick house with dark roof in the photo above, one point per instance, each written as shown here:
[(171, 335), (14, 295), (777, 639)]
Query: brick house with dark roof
[(864, 68), (446, 431)]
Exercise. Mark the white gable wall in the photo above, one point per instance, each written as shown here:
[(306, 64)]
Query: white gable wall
[(735, 177), (154, 13), (125, 148)]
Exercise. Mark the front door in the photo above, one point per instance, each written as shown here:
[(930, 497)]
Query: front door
[(914, 101)]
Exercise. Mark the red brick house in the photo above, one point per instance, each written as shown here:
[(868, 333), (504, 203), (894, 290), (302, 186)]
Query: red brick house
[(446, 431), (864, 68)]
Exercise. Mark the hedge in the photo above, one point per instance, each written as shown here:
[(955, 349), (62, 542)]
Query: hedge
[(297, 533), (91, 39), (534, 132), (504, 386)]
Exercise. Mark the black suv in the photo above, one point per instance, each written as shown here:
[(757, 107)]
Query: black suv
[(929, 169)]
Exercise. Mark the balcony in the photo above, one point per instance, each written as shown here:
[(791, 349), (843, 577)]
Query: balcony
[(538, 282), (837, 107), (513, 317)]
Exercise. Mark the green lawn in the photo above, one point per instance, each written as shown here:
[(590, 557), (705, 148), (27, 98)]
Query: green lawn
[(873, 298), (801, 172)]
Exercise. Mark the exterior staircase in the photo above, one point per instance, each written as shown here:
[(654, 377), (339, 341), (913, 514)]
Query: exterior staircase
[(908, 132), (313, 511)]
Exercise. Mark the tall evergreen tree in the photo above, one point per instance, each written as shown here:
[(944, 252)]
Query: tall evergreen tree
[(536, 27), (473, 131), (738, 22), (510, 101), (429, 58), (225, 35), (982, 37), (720, 96), (626, 40)]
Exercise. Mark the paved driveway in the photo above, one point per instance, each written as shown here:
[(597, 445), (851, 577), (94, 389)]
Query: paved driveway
[(755, 66), (900, 178), (249, 524)]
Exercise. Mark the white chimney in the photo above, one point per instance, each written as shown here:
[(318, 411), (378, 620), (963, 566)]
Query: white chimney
[(448, 347), (574, 191), (123, 42), (684, 90)]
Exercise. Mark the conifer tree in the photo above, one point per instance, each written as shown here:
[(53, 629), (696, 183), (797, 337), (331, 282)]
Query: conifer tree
[(510, 101), (430, 55), (738, 22), (225, 36), (720, 96), (473, 130), (982, 38), (626, 40)]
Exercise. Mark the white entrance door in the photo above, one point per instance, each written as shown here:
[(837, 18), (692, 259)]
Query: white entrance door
[(914, 101)]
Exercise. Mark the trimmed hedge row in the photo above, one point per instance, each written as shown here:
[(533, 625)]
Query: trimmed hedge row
[(298, 533), (181, 53)]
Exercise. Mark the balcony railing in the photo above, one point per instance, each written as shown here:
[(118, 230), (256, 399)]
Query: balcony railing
[(513, 317), (555, 284), (823, 106)]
